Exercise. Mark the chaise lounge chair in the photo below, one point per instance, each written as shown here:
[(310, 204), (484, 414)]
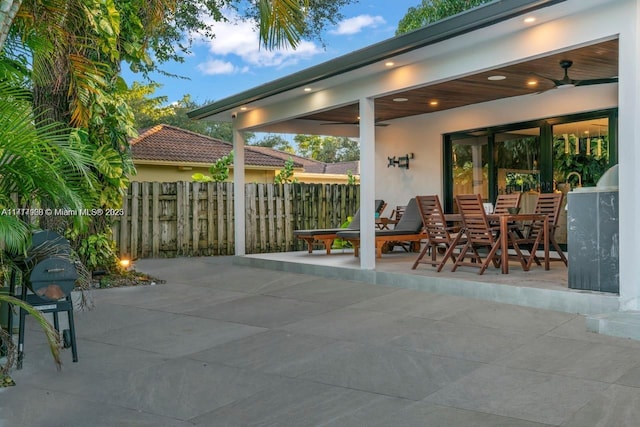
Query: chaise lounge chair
[(328, 235), (408, 229)]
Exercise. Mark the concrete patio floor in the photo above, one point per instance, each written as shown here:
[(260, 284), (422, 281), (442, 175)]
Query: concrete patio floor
[(223, 344), (534, 288)]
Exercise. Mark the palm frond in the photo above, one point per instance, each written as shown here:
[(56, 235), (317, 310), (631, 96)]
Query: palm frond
[(282, 22), (16, 234), (53, 336)]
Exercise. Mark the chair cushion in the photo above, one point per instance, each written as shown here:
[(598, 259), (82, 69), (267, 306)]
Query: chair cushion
[(318, 232), (348, 234), (353, 225), (411, 221)]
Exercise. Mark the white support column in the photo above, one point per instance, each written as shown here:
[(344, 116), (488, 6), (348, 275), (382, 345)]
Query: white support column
[(238, 190), (367, 184), (629, 159)]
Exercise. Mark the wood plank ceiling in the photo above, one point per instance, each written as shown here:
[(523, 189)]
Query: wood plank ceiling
[(595, 61)]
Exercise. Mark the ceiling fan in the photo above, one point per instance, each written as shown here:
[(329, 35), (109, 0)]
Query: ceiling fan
[(357, 123), (567, 82)]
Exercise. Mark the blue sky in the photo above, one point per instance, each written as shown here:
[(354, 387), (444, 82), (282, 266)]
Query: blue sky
[(233, 61)]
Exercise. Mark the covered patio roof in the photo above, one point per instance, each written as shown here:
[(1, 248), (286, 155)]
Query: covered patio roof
[(596, 61)]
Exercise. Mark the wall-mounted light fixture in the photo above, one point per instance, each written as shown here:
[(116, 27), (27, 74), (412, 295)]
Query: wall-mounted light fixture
[(401, 162)]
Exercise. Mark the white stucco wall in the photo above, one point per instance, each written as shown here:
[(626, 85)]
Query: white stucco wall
[(629, 158)]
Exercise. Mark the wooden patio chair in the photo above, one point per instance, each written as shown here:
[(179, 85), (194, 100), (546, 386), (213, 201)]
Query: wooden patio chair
[(550, 205), (506, 201), (397, 213), (439, 235), (480, 235), (503, 203), (380, 207)]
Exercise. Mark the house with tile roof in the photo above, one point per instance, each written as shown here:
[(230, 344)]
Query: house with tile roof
[(314, 171), (166, 153)]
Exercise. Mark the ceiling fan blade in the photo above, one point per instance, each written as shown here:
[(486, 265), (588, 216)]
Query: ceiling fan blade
[(351, 123), (338, 123), (588, 82), (555, 82)]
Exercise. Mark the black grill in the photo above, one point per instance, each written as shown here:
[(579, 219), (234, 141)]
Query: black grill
[(53, 274), (51, 278)]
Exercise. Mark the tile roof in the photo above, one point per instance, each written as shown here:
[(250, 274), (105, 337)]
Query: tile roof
[(309, 165), (314, 166), (343, 168), (172, 144)]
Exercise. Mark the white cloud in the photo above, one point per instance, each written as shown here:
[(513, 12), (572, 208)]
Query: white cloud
[(239, 42), (217, 66), (358, 23)]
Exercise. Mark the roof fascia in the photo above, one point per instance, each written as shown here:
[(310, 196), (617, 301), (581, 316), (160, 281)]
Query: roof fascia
[(454, 26)]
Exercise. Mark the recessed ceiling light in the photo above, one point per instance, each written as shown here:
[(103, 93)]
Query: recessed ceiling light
[(496, 77), (400, 99), (433, 103), (243, 108), (529, 20), (389, 64), (307, 89), (532, 82)]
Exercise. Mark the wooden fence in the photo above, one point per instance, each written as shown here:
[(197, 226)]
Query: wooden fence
[(190, 218)]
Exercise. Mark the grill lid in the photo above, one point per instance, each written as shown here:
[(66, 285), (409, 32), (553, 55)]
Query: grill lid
[(53, 278)]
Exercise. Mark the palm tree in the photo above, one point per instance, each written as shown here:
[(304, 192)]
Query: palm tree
[(8, 10)]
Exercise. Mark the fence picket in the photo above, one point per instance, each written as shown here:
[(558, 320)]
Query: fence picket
[(144, 219), (135, 220)]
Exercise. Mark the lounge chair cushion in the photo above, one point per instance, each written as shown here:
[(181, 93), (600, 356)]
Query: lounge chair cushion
[(410, 223), (353, 225)]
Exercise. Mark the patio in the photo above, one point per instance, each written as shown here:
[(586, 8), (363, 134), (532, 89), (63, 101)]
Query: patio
[(224, 344), (535, 288)]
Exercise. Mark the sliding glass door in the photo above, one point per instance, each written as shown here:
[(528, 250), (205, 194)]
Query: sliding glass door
[(548, 155)]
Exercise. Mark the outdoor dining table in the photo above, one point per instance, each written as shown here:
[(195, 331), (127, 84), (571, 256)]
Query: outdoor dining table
[(504, 220)]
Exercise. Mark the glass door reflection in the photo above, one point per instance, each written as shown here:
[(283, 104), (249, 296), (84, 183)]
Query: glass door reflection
[(580, 152), (516, 159), (470, 166)]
